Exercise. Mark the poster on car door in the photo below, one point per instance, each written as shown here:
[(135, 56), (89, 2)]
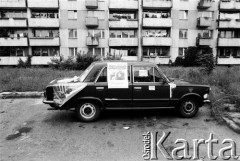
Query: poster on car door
[(117, 75)]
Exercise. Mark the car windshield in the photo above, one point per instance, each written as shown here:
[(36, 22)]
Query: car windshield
[(85, 73), (163, 75)]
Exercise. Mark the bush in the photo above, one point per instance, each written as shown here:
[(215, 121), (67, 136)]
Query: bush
[(179, 61), (81, 62), (26, 64)]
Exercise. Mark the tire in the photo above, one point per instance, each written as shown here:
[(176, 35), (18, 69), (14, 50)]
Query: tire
[(188, 108), (88, 111)]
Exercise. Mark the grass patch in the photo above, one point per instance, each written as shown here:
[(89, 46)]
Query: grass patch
[(30, 79)]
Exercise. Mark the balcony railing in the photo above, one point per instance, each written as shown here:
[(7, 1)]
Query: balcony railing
[(229, 5), (123, 4), (43, 22), (123, 41), (92, 41), (229, 42), (123, 23), (13, 4), (43, 4), (157, 22), (204, 4), (13, 22), (157, 4), (35, 41), (204, 41), (91, 22), (157, 41), (229, 23), (20, 41), (204, 22), (91, 4)]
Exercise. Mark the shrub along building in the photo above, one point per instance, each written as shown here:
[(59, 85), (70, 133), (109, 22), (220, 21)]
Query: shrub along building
[(149, 30)]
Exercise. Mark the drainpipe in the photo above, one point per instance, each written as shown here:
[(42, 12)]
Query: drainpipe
[(139, 54)]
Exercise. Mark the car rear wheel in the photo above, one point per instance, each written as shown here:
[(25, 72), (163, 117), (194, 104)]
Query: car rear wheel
[(88, 111), (188, 108)]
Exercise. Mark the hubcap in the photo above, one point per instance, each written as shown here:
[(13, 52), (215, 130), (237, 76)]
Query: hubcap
[(189, 107), (87, 110)]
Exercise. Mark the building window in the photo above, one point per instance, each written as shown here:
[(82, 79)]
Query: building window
[(123, 52), (205, 14), (122, 34), (156, 14), (44, 14), (72, 33), (156, 51), (45, 51), (96, 33), (156, 33), (205, 34), (73, 52), (45, 33), (183, 33), (183, 15), (97, 51), (72, 14), (181, 52), (13, 14), (120, 15), (229, 34)]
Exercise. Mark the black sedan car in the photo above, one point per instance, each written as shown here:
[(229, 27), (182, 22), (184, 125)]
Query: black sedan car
[(106, 85)]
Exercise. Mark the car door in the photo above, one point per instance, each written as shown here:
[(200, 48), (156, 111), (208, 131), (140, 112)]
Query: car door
[(149, 88), (113, 97)]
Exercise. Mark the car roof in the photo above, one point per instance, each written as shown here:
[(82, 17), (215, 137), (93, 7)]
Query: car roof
[(123, 61)]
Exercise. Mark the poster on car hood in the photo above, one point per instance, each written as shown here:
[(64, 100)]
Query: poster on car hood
[(117, 75)]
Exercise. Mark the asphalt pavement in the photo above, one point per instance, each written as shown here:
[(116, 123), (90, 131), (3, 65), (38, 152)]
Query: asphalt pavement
[(29, 132)]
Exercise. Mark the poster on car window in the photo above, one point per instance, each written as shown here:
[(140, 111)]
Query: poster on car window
[(117, 75)]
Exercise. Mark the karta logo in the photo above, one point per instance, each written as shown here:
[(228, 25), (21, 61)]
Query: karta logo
[(152, 145)]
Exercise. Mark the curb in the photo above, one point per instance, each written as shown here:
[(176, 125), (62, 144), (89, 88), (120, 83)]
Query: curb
[(8, 95)]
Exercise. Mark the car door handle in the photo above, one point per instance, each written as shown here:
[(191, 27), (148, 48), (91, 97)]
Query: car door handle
[(100, 88), (137, 88)]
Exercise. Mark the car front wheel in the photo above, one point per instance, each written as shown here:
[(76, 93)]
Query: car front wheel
[(188, 108), (88, 111)]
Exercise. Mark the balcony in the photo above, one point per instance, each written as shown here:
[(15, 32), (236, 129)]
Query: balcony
[(204, 4), (157, 41), (44, 41), (43, 60), (123, 23), (43, 22), (123, 5), (157, 22), (11, 60), (92, 41), (229, 5), (229, 42), (123, 41), (13, 22), (204, 41), (226, 61), (22, 41), (43, 4), (13, 4), (91, 22), (204, 22), (91, 4), (229, 23), (157, 4)]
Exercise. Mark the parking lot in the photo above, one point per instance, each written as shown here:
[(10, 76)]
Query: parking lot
[(28, 131)]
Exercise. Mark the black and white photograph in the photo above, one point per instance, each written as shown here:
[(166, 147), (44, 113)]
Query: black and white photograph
[(119, 80)]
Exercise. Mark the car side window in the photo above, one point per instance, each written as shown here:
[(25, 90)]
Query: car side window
[(103, 75), (157, 76), (143, 74)]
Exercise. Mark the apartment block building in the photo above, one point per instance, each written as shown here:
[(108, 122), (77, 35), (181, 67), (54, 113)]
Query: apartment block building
[(148, 30)]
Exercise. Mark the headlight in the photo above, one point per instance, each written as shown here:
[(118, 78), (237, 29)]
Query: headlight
[(205, 96)]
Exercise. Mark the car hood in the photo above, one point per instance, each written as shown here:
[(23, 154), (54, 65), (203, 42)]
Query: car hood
[(65, 89), (182, 82)]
